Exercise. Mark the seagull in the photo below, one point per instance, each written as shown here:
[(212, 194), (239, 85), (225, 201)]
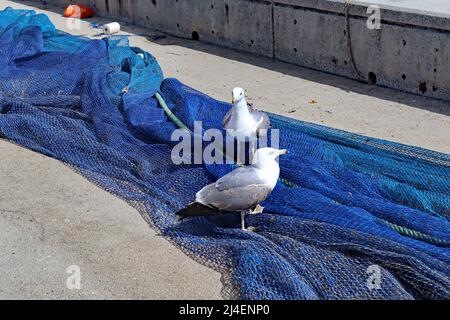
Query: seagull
[(241, 190), (242, 121)]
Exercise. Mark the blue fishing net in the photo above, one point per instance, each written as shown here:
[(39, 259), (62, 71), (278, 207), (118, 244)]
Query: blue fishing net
[(345, 204)]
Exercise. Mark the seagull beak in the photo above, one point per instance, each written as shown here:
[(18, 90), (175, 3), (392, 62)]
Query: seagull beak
[(284, 151), (233, 101)]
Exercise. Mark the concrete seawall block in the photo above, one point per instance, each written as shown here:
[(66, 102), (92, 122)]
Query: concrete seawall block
[(410, 59), (238, 24)]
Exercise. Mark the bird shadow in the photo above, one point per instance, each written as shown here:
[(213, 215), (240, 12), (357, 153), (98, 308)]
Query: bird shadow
[(205, 226), (214, 226)]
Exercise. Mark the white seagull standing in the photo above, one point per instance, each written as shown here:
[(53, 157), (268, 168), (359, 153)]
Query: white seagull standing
[(240, 190), (242, 122)]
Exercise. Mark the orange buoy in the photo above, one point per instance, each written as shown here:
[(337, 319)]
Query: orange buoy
[(78, 11)]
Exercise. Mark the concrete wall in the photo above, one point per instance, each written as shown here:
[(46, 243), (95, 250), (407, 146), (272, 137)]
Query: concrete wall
[(239, 24), (409, 58), (410, 52)]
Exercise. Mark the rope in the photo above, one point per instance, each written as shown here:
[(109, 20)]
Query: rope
[(414, 234), (170, 114), (358, 74)]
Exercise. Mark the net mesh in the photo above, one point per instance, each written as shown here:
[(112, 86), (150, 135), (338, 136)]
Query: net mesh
[(351, 202)]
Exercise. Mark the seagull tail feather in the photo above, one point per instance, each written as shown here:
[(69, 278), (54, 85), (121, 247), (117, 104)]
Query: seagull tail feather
[(196, 209)]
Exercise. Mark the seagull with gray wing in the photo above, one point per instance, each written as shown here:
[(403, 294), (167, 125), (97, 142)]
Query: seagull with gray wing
[(242, 121), (241, 190)]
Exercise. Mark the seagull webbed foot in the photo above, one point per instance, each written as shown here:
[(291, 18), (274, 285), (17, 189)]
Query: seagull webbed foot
[(258, 209)]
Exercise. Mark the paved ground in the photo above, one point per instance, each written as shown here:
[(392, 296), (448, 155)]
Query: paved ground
[(51, 218)]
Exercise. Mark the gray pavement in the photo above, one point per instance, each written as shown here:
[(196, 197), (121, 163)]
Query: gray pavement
[(51, 218)]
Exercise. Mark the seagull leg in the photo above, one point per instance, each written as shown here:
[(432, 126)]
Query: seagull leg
[(241, 153), (252, 150), (243, 220), (249, 229)]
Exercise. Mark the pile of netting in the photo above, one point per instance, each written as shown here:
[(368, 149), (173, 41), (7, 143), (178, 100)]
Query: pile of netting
[(352, 218)]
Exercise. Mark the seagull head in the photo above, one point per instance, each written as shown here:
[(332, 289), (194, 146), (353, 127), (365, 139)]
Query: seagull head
[(266, 156), (237, 95)]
